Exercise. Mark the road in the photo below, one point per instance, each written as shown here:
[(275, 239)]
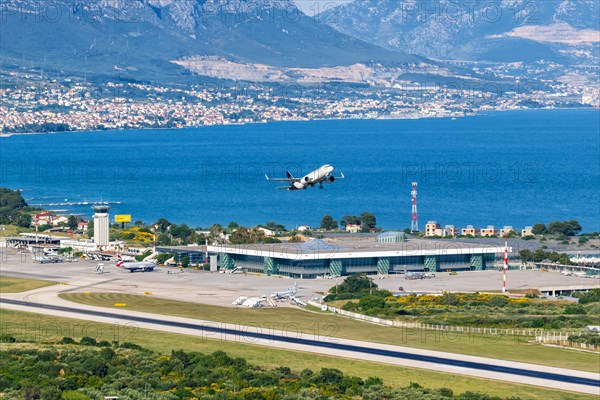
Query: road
[(555, 378)]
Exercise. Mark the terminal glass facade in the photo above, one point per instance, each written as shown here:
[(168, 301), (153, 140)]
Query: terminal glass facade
[(313, 268)]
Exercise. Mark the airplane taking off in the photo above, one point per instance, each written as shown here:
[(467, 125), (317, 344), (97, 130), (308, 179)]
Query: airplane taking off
[(291, 292), (142, 266), (318, 176)]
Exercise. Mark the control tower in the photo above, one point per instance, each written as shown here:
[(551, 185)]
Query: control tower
[(101, 224)]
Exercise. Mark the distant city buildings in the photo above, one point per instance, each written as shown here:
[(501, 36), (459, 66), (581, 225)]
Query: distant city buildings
[(30, 105), (434, 229), (489, 231), (469, 231), (527, 231)]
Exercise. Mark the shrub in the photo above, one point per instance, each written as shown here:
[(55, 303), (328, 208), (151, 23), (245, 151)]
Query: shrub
[(6, 338), (131, 346), (88, 341), (574, 309)]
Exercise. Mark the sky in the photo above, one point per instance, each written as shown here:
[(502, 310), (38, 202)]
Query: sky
[(310, 7)]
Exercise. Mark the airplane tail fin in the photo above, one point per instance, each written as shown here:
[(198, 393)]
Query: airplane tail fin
[(119, 261), (289, 175)]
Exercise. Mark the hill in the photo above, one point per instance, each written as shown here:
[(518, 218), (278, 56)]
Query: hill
[(562, 31), (134, 39)]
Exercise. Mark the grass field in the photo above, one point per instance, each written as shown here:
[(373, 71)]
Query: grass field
[(12, 230), (325, 324), (41, 328), (16, 285)]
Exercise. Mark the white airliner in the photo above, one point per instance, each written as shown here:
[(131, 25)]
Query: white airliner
[(141, 266), (291, 292), (318, 176)]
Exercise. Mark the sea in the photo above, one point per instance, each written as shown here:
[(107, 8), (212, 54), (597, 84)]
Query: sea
[(512, 168)]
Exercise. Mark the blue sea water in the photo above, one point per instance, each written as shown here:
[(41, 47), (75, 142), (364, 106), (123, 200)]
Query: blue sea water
[(512, 168)]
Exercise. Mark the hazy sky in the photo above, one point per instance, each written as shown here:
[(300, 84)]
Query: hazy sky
[(310, 6)]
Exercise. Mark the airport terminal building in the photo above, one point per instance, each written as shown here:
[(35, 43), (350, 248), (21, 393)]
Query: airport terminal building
[(386, 255)]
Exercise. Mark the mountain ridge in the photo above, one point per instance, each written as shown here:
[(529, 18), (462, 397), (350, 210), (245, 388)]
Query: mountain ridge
[(476, 31), (139, 39)]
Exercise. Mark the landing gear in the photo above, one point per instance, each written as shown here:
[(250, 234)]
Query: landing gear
[(321, 185)]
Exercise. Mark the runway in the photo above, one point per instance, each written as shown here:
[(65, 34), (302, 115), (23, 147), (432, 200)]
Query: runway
[(556, 378)]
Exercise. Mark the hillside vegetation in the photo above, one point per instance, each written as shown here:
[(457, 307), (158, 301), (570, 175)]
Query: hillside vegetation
[(92, 370)]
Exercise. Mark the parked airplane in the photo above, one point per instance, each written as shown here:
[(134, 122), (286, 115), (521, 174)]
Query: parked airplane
[(318, 176), (47, 259), (291, 292), (141, 266), (413, 275)]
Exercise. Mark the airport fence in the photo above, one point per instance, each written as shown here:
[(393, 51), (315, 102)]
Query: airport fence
[(562, 339), (540, 335)]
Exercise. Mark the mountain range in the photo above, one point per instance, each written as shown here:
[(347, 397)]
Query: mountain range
[(562, 31), (142, 39), (366, 40)]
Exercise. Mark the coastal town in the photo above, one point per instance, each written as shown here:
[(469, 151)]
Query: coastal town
[(34, 103)]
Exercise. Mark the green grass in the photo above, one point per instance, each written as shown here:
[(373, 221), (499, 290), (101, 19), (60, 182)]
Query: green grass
[(9, 284), (325, 324), (42, 329), (12, 230)]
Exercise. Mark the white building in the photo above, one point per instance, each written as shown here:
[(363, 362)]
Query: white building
[(101, 225), (527, 231), (266, 231), (353, 228)]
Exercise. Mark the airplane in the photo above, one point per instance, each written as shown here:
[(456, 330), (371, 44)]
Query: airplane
[(291, 292), (47, 259), (318, 176), (413, 275), (140, 266)]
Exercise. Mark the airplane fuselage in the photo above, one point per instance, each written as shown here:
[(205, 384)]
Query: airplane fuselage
[(315, 177), (318, 176)]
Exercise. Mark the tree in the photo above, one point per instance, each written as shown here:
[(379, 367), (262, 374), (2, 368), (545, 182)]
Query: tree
[(185, 262), (368, 220), (538, 229), (274, 226), (181, 231), (216, 230), (568, 228), (163, 224), (73, 222), (295, 239), (23, 220), (163, 239), (232, 225), (90, 229), (328, 223), (350, 220), (11, 203)]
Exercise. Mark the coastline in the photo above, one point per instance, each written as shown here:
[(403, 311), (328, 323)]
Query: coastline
[(381, 118)]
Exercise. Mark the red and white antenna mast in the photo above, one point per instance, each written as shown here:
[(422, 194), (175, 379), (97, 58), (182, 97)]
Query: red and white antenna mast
[(414, 225), (505, 261)]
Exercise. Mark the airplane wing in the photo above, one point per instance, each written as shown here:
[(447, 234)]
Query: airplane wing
[(340, 177), (290, 178), (283, 187)]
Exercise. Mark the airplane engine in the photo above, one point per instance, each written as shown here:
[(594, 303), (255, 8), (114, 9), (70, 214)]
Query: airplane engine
[(330, 179), (299, 185)]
